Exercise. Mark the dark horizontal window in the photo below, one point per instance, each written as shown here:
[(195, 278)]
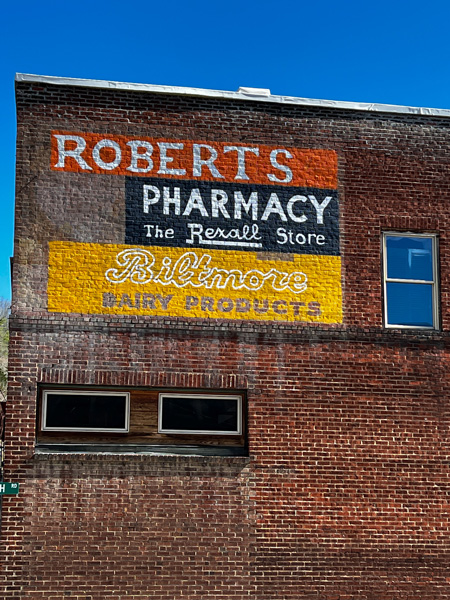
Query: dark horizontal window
[(161, 420), (85, 411), (200, 414)]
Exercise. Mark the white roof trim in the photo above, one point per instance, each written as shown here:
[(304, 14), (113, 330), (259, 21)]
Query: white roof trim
[(243, 94)]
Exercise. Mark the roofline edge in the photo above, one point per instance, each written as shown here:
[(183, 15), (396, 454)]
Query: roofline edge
[(226, 95)]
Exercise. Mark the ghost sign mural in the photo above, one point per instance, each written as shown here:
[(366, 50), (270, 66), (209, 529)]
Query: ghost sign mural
[(211, 230)]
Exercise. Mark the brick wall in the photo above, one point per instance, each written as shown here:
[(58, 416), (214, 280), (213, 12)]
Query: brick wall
[(344, 492)]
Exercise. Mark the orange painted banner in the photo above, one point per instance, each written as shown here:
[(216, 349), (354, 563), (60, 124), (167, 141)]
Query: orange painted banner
[(193, 160)]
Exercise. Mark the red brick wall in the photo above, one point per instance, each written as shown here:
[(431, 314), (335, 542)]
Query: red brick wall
[(345, 491)]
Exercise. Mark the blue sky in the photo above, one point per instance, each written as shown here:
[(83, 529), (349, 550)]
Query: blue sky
[(388, 52)]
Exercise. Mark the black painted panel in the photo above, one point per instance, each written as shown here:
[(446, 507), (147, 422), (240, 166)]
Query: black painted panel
[(226, 216)]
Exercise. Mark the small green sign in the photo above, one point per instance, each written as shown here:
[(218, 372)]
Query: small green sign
[(8, 488)]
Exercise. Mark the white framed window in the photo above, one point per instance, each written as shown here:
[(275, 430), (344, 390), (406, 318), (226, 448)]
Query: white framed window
[(90, 411), (208, 414), (410, 280)]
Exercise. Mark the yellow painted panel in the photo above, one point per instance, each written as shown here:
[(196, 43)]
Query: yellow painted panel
[(178, 282)]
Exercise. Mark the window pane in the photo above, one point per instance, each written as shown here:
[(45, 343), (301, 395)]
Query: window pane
[(410, 304), (85, 411), (199, 414), (409, 257)]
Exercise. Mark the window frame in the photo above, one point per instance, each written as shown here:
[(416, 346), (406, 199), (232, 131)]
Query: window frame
[(213, 432), (434, 283), (75, 392)]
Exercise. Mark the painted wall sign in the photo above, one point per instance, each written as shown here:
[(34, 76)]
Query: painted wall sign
[(186, 159), (121, 279), (203, 214), (211, 230)]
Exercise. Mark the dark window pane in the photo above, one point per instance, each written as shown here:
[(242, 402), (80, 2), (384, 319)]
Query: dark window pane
[(199, 414), (84, 411), (410, 304), (409, 257)]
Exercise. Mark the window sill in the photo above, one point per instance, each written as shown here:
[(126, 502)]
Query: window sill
[(127, 450)]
